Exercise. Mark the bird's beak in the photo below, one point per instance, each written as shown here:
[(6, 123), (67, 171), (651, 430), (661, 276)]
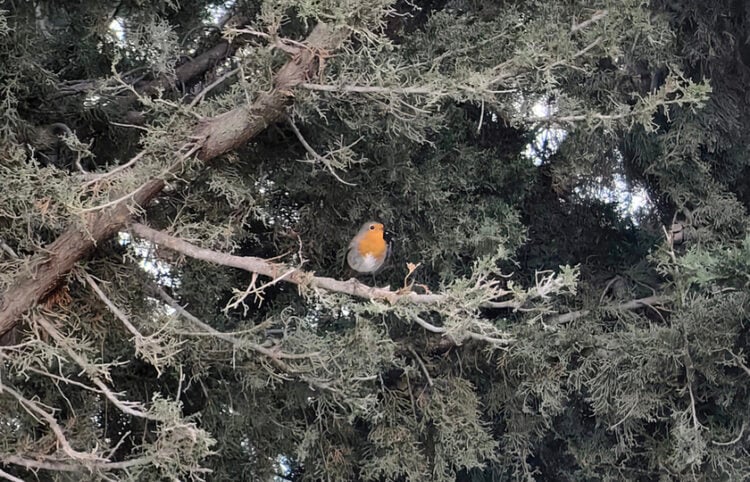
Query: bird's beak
[(388, 236)]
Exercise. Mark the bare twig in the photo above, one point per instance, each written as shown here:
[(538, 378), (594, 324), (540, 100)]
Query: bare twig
[(598, 15), (415, 90), (627, 415), (35, 410), (7, 476), (372, 89), (696, 423), (739, 361), (647, 302), (8, 249), (322, 159), (256, 290), (734, 440), (476, 336), (228, 337), (421, 364), (171, 168), (94, 178), (689, 370), (112, 307), (212, 85), (129, 126), (126, 407), (150, 347), (287, 45), (481, 119)]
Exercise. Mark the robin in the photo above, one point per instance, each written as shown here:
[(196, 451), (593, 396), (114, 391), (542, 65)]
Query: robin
[(369, 249)]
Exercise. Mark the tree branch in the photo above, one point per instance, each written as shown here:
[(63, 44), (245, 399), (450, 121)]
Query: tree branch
[(35, 410), (234, 128), (49, 463), (183, 73), (273, 270), (130, 408), (6, 475), (647, 302), (304, 279), (229, 337), (322, 159), (215, 136)]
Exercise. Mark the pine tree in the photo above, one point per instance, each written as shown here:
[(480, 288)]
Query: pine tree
[(181, 181)]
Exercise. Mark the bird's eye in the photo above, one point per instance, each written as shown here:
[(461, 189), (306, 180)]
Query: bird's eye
[(372, 226)]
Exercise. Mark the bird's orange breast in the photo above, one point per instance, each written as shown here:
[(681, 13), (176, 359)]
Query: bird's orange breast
[(372, 243)]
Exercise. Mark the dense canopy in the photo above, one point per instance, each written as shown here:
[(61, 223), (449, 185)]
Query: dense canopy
[(567, 292)]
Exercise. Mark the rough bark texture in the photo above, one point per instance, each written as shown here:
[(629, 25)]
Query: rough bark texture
[(217, 134), (190, 70), (232, 129), (49, 268)]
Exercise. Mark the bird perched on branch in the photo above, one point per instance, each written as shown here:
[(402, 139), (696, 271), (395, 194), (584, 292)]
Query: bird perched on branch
[(369, 249)]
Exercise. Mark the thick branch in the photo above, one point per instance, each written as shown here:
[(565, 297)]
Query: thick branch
[(184, 73), (234, 128), (191, 69), (50, 463), (216, 136), (51, 266)]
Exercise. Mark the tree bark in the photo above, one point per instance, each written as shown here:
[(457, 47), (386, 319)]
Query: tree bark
[(215, 135)]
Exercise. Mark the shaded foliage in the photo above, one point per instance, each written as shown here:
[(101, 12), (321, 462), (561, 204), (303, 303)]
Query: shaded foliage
[(426, 117)]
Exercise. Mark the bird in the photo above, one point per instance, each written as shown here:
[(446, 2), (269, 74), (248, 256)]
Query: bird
[(369, 248)]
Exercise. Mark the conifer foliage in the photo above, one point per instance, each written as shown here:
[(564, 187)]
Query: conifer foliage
[(567, 294)]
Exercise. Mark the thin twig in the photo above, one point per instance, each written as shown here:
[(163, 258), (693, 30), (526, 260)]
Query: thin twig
[(481, 119), (151, 346), (99, 177), (129, 126), (112, 307), (734, 440), (211, 86), (649, 302), (126, 407), (7, 476), (598, 15), (287, 45), (627, 415), (35, 410), (421, 364), (326, 162), (8, 249), (132, 194), (372, 89), (229, 337)]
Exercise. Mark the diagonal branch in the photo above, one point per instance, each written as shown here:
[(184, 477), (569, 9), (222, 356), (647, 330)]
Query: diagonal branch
[(214, 136), (229, 337), (648, 302), (273, 270), (304, 279), (183, 74), (59, 465), (353, 287), (37, 411)]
